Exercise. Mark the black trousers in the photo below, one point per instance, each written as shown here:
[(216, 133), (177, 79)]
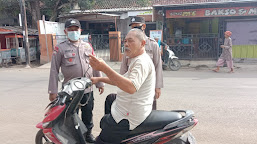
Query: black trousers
[(154, 104), (165, 56), (87, 110), (112, 132)]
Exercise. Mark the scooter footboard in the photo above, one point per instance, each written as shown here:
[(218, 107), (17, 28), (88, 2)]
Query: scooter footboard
[(66, 132)]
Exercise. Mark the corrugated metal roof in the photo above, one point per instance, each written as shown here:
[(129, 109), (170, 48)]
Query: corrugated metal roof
[(110, 4), (116, 6), (110, 11), (17, 30)]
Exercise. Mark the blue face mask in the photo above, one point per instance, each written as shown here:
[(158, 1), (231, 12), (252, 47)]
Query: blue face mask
[(74, 35)]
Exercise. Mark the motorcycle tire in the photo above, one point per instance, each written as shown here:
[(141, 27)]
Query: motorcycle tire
[(174, 64), (41, 138)]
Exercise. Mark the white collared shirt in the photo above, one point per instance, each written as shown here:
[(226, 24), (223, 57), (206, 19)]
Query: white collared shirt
[(136, 107)]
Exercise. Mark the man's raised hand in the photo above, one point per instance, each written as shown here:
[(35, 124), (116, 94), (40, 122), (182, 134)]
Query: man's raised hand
[(96, 63)]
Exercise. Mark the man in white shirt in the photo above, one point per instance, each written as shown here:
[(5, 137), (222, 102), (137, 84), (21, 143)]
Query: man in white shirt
[(134, 99)]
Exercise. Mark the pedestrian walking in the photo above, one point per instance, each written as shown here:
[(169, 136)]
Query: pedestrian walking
[(72, 56), (226, 55)]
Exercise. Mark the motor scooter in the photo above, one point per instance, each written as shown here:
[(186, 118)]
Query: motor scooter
[(62, 125), (172, 61)]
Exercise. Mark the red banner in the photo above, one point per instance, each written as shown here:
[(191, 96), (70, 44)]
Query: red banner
[(212, 12)]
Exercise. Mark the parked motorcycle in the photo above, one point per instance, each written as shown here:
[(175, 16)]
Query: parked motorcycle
[(173, 62), (62, 125)]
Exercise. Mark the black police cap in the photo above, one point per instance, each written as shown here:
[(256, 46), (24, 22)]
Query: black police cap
[(72, 22), (136, 20)]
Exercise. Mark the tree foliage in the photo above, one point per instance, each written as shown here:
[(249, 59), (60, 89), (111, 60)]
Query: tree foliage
[(50, 8), (10, 7), (35, 8), (86, 4), (144, 3)]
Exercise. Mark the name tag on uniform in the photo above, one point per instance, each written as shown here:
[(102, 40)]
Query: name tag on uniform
[(66, 51)]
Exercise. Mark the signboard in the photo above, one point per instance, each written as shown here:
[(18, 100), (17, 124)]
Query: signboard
[(212, 12), (156, 34), (51, 28)]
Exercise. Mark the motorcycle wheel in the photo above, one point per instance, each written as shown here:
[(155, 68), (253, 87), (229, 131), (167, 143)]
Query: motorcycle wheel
[(41, 138), (174, 64)]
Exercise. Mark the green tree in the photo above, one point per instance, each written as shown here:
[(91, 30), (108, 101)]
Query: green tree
[(36, 8), (9, 7), (53, 8)]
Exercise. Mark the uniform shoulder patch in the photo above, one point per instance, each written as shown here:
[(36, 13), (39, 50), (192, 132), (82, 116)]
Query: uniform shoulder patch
[(56, 49)]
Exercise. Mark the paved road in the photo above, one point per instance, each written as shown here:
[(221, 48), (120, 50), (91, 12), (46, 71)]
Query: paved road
[(225, 104)]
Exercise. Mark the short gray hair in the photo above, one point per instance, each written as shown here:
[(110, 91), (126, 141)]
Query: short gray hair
[(139, 34)]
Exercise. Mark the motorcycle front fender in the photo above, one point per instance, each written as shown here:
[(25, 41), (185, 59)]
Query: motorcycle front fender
[(40, 125), (173, 57)]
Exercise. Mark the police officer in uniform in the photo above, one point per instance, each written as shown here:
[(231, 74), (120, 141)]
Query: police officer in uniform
[(72, 56)]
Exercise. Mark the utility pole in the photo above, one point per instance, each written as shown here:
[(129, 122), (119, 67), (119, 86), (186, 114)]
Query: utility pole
[(25, 32)]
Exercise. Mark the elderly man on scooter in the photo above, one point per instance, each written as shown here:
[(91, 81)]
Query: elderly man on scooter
[(134, 98)]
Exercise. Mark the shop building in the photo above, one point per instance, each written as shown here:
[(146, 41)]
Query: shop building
[(11, 45), (196, 31)]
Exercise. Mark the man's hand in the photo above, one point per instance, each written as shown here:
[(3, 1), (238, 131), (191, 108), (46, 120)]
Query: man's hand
[(101, 90), (94, 80), (52, 97), (222, 46), (97, 63), (157, 93)]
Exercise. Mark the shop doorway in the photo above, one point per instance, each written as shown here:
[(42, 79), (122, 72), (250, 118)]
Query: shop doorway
[(193, 39)]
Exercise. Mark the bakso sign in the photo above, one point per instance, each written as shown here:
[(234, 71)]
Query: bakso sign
[(212, 12)]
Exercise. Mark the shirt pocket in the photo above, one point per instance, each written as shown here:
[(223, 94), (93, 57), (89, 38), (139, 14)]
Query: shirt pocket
[(69, 59)]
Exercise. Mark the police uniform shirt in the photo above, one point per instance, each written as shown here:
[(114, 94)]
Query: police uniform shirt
[(73, 59)]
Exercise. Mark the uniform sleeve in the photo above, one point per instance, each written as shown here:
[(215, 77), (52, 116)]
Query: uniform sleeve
[(157, 64), (54, 71), (97, 73), (229, 44), (93, 52), (124, 65)]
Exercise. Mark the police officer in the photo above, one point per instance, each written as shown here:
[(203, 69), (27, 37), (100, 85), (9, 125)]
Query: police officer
[(72, 56), (152, 49)]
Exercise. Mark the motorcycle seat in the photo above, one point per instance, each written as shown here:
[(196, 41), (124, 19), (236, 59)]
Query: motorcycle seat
[(156, 120)]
